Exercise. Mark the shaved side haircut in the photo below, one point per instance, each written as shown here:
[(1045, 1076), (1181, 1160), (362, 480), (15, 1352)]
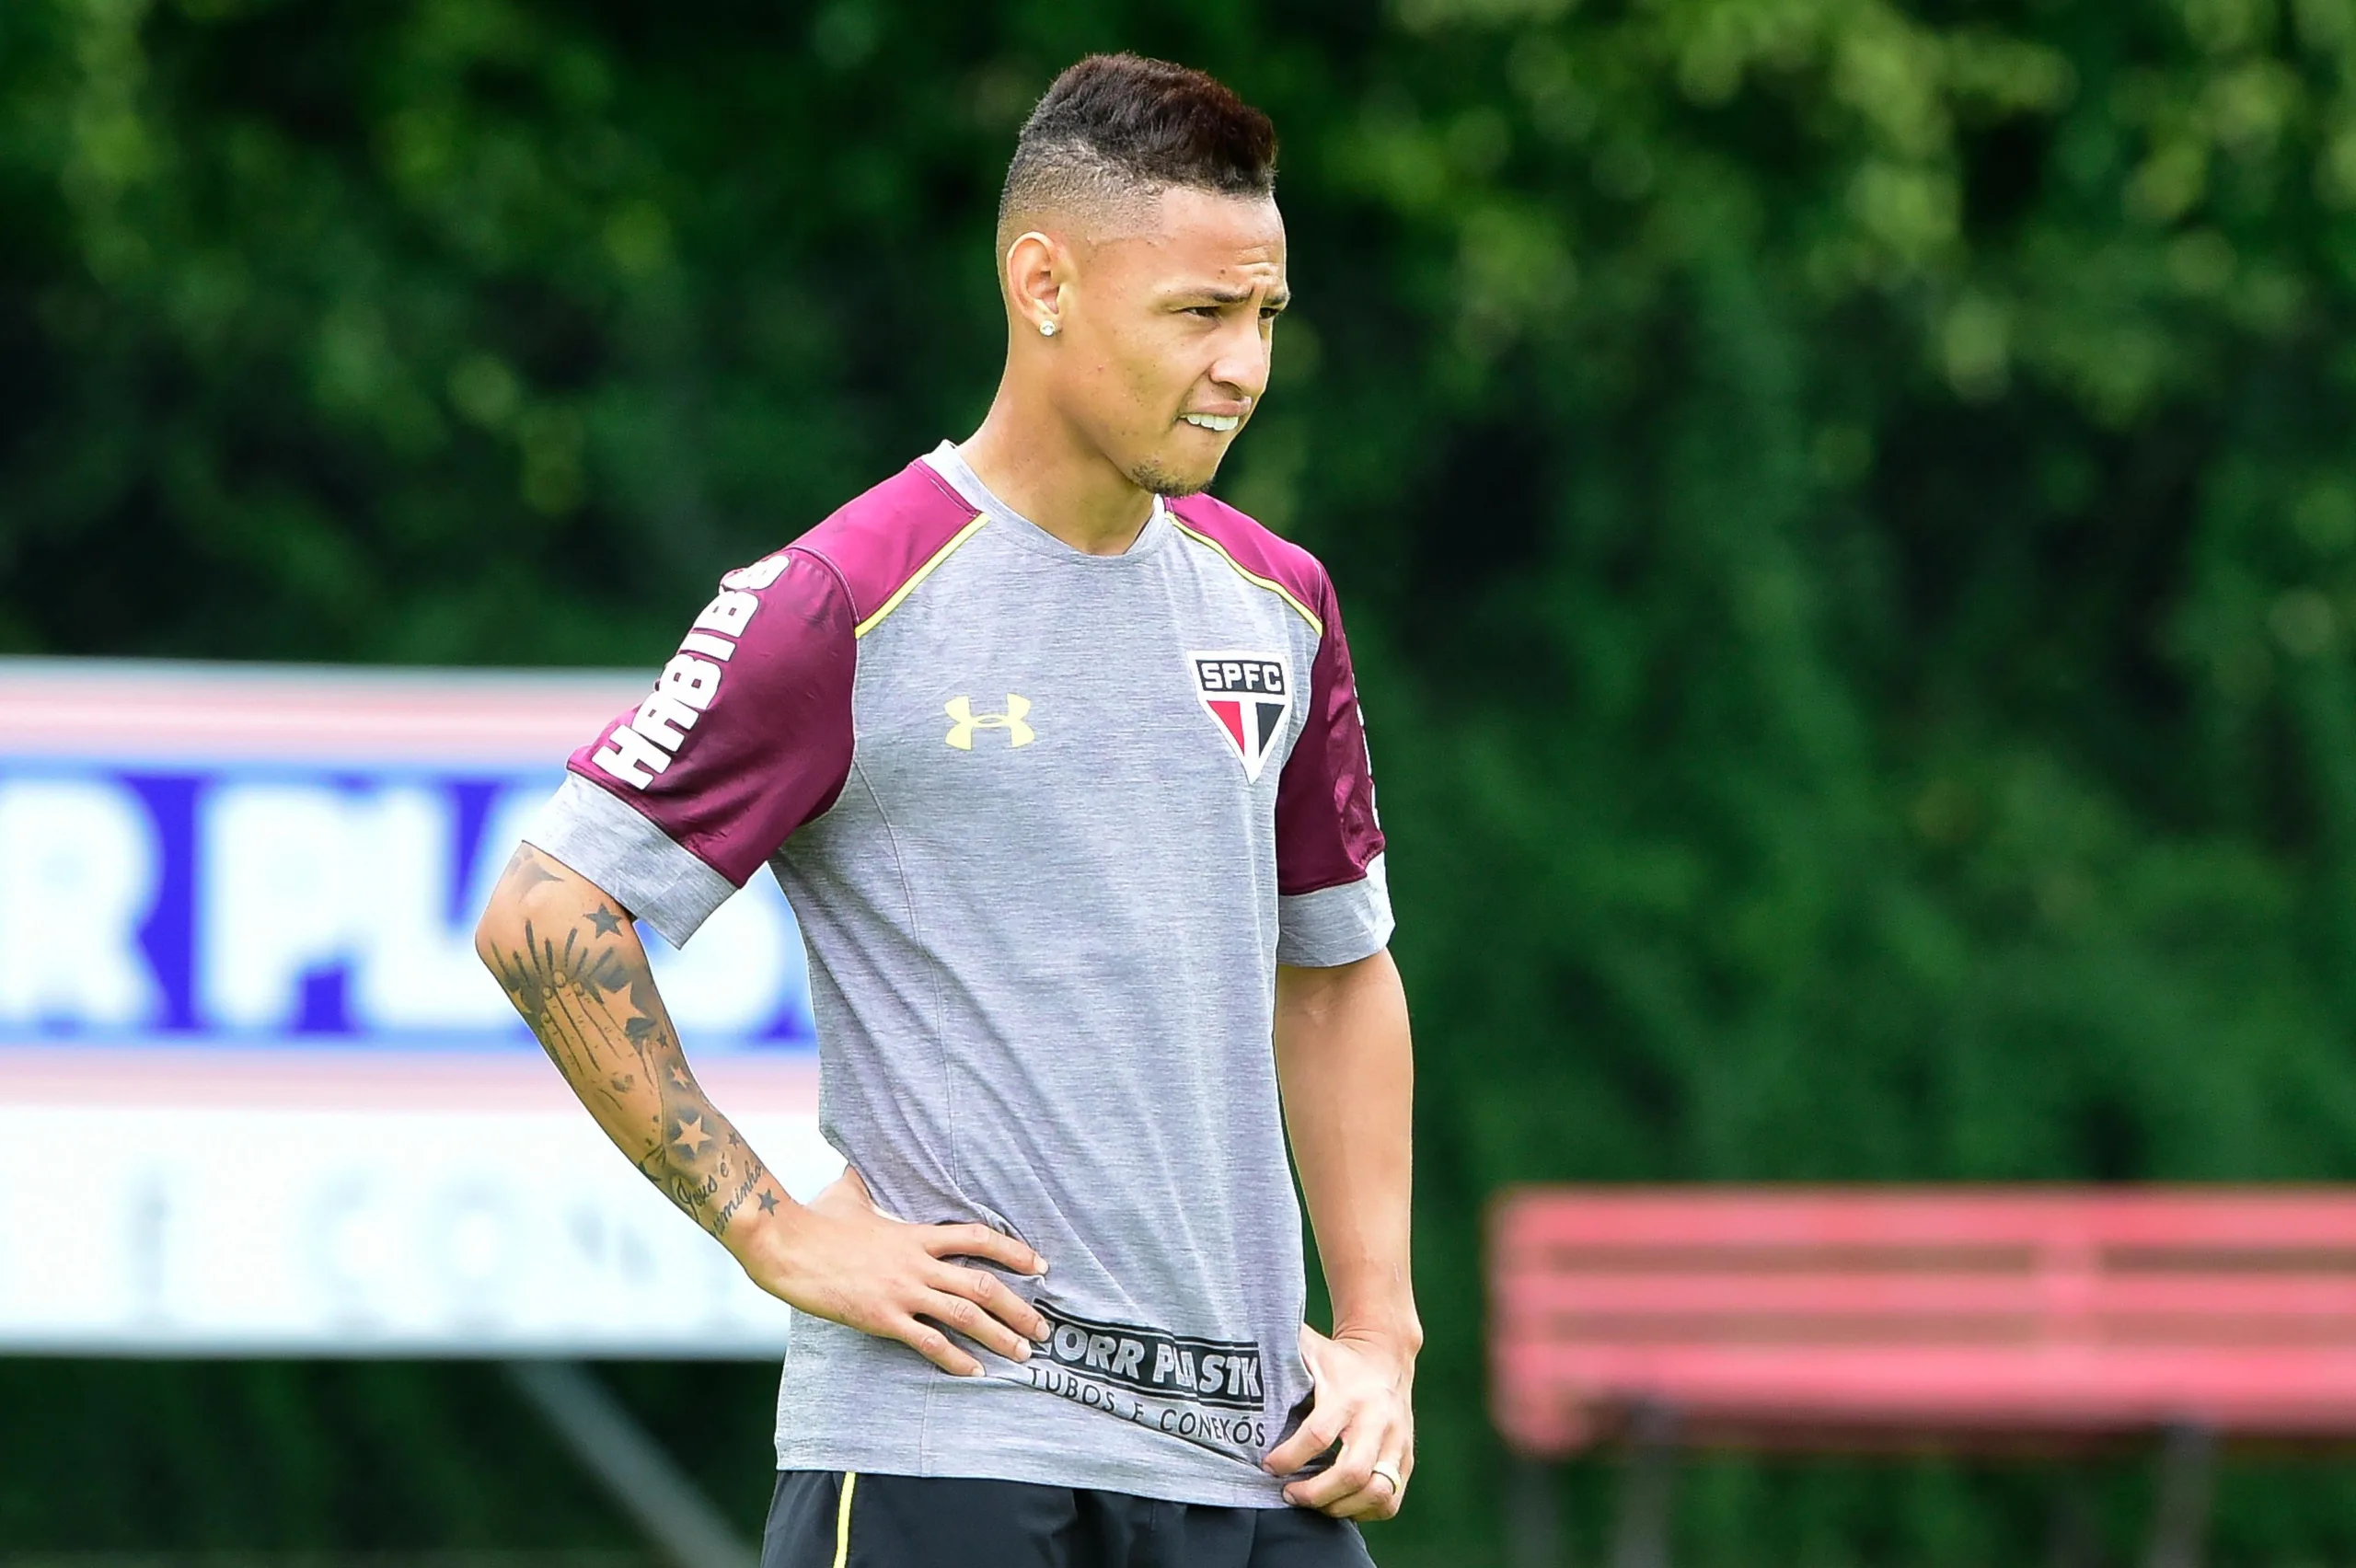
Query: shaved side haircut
[(1116, 129)]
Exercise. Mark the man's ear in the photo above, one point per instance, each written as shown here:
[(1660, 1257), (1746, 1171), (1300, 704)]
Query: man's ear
[(1037, 268)]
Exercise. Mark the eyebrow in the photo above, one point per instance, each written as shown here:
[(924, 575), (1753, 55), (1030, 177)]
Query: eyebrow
[(1277, 299)]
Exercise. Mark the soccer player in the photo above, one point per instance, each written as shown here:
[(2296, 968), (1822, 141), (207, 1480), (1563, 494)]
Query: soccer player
[(1060, 763)]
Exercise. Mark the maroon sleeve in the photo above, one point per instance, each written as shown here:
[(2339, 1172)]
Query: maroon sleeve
[(1326, 830), (748, 734)]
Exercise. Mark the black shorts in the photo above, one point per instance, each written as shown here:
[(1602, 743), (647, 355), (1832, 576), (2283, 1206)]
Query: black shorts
[(828, 1519)]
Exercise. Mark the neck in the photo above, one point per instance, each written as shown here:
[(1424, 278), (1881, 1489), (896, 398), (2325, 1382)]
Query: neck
[(1032, 460)]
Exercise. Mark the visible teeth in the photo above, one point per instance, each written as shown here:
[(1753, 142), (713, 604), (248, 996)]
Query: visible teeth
[(1213, 422)]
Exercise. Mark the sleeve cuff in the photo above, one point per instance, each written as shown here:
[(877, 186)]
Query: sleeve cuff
[(1336, 925), (613, 846)]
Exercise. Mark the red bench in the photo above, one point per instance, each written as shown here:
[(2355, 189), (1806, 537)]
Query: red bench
[(1967, 1318)]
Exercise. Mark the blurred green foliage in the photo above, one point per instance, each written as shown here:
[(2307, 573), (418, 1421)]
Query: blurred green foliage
[(1847, 512)]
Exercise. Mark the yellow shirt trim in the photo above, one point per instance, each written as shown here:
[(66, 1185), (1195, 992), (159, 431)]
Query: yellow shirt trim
[(1278, 589), (943, 553), (842, 1510)]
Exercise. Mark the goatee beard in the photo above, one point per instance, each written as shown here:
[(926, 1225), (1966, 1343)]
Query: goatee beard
[(1155, 480)]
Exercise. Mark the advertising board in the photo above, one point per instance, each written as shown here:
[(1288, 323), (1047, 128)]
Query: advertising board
[(257, 1094)]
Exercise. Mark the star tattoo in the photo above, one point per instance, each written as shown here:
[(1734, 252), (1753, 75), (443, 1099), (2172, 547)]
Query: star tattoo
[(692, 1137), (768, 1201), (606, 921)]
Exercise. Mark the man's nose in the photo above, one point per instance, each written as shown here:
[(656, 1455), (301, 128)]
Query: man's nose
[(1241, 368)]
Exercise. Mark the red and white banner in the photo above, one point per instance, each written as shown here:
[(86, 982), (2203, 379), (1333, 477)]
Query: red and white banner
[(256, 1095)]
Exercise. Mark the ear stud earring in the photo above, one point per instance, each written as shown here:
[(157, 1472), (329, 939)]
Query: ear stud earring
[(1048, 328)]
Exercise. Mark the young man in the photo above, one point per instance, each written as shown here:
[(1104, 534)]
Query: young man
[(1060, 763)]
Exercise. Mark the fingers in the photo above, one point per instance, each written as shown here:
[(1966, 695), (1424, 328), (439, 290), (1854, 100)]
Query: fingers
[(1317, 1433), (854, 1264), (1351, 1487), (934, 1346), (1385, 1489), (965, 1315), (1347, 1476), (981, 1242), (990, 1293), (975, 1305), (1367, 1476)]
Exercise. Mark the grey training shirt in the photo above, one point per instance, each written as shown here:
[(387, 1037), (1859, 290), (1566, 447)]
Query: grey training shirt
[(1050, 821)]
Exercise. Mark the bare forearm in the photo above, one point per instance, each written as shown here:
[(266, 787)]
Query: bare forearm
[(570, 959), (1346, 1068)]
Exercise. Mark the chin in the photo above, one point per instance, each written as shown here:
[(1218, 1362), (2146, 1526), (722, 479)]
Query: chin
[(1160, 478)]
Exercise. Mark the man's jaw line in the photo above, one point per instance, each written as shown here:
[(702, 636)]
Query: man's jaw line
[(1159, 481)]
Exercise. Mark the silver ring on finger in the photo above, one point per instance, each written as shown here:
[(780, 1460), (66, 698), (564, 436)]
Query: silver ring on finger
[(1391, 1477)]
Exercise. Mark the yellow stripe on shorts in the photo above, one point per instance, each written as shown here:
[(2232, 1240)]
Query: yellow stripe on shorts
[(842, 1519)]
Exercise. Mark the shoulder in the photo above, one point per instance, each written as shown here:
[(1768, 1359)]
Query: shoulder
[(877, 544), (830, 584), (1275, 564)]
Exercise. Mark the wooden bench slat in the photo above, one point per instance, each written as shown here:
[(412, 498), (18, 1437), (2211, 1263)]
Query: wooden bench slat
[(1987, 1311), (1528, 1299), (1954, 1374), (2257, 1219), (1954, 1387)]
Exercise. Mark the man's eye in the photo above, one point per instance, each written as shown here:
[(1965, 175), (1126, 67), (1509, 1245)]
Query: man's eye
[(1208, 311)]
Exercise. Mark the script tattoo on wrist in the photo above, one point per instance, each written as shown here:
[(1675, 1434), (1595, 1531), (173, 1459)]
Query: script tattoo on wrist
[(588, 995)]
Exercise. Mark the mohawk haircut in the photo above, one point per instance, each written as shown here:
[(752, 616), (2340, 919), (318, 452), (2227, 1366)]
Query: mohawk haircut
[(1116, 129)]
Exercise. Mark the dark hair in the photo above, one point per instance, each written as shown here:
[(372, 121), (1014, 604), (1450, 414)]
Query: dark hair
[(1116, 121)]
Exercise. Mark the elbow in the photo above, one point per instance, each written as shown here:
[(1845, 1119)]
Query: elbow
[(504, 928), (499, 931), (535, 899)]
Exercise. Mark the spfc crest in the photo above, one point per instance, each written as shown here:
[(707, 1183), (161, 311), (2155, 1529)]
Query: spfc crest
[(1251, 697)]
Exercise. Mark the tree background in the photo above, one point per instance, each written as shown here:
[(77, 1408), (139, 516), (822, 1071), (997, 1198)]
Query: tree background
[(1846, 511)]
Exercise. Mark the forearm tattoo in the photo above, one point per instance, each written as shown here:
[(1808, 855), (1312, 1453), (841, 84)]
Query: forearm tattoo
[(589, 996)]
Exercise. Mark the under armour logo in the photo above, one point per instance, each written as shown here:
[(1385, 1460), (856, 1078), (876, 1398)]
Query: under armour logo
[(960, 709)]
